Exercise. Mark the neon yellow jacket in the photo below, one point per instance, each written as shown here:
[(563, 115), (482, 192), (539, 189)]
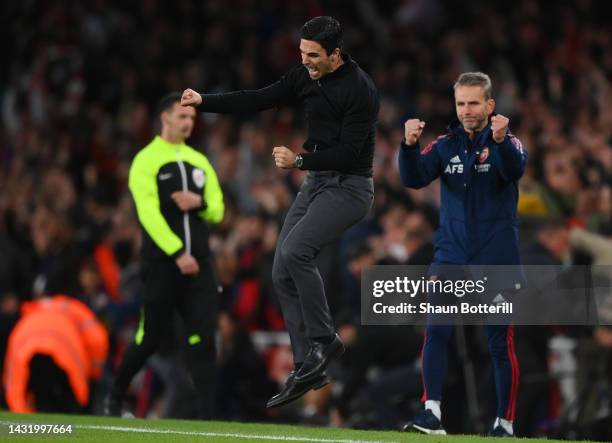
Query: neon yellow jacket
[(158, 170)]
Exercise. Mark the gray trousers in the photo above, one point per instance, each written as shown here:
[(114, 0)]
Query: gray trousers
[(328, 203)]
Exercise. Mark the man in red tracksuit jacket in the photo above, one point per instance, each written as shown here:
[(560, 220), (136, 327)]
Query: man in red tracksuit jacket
[(479, 163)]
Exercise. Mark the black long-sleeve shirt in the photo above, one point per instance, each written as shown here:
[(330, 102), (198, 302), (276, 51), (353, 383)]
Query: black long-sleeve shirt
[(341, 112)]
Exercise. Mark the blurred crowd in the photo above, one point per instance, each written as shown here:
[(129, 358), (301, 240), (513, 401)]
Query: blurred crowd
[(77, 96)]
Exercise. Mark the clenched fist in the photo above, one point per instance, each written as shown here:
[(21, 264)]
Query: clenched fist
[(413, 129), (191, 98), (284, 157), (186, 200), (499, 127), (187, 264)]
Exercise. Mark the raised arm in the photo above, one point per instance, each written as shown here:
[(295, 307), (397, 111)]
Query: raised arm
[(279, 93), (513, 155), (417, 168)]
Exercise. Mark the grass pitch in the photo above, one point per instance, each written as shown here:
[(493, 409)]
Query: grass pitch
[(116, 430)]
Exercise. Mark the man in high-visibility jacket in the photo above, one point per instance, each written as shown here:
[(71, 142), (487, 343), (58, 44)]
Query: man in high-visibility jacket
[(58, 340), (177, 196)]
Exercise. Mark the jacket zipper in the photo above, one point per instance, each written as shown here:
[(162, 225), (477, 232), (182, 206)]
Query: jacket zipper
[(186, 226)]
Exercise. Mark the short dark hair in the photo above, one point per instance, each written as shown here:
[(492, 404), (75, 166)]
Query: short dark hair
[(324, 30), (167, 102)]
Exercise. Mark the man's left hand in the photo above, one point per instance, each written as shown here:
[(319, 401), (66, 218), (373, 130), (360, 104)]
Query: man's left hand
[(284, 157), (186, 200), (499, 127)]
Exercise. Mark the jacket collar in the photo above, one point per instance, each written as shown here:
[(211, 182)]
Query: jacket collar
[(159, 139), (348, 66), (455, 127)]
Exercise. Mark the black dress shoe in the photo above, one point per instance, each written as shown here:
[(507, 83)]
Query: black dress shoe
[(294, 389), (318, 358)]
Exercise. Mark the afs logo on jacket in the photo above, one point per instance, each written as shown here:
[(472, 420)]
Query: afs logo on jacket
[(455, 166)]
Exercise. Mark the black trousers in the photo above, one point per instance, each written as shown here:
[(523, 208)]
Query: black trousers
[(195, 299), (327, 205)]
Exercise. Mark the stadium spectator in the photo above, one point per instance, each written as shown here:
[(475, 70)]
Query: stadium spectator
[(55, 352), (244, 385)]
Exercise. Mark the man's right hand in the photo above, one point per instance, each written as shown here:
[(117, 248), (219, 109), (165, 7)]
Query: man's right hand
[(187, 264), (191, 98), (413, 129)]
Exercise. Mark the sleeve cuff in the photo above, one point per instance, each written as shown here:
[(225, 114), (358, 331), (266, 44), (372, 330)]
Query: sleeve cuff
[(407, 147), (203, 101), (178, 253), (504, 141), (203, 206), (306, 161)]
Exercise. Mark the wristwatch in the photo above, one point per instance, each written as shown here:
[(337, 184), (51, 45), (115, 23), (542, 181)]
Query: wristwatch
[(299, 160)]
